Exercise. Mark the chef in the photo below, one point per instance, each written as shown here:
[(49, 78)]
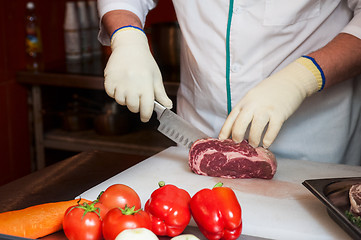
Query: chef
[(282, 74)]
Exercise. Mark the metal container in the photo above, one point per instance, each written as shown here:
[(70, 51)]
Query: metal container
[(76, 121), (115, 120), (165, 43), (77, 117)]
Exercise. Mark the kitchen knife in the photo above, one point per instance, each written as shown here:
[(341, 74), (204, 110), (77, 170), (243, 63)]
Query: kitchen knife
[(176, 128)]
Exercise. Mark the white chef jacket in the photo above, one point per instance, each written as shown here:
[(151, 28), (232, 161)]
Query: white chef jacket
[(228, 47)]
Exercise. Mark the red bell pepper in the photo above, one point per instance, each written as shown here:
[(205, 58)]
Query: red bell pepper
[(217, 213), (168, 207)]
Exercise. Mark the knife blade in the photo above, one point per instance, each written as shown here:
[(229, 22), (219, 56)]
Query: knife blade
[(176, 128)]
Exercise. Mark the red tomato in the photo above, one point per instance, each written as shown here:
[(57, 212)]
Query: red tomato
[(84, 222), (119, 195), (118, 220), (103, 210)]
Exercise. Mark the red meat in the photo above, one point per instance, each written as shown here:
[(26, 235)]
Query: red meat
[(228, 159), (355, 199)]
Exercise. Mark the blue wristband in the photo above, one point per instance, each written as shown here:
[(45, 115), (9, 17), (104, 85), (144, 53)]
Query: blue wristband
[(128, 26), (319, 69)]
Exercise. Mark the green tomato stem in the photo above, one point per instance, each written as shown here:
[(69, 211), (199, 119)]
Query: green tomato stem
[(129, 211)]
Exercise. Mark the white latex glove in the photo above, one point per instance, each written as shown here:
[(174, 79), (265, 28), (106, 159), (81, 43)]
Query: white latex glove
[(272, 102), (132, 76)]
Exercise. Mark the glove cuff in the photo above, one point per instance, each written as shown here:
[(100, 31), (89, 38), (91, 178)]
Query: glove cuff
[(128, 35), (311, 64), (124, 28)]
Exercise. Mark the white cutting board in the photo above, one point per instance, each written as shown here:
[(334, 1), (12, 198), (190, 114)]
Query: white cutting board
[(281, 208)]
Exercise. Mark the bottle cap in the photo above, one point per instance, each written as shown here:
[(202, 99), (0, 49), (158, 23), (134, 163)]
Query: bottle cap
[(30, 5)]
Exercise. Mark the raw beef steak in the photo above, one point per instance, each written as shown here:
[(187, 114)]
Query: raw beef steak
[(228, 159), (355, 199)]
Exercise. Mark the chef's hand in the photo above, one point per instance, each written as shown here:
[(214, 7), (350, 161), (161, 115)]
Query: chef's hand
[(132, 76), (272, 102)]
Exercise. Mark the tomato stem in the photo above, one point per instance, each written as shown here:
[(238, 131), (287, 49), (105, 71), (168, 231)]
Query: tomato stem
[(129, 211), (88, 208), (100, 194), (161, 183)]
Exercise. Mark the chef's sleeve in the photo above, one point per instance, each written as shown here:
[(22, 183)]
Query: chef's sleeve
[(138, 7), (354, 26)]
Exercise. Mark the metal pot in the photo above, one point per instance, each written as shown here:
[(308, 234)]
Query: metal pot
[(76, 117), (115, 120), (76, 121), (165, 42)]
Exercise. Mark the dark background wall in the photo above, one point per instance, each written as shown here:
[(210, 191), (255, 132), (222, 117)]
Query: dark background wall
[(15, 155)]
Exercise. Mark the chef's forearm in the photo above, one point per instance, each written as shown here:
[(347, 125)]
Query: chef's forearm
[(118, 18), (340, 59)]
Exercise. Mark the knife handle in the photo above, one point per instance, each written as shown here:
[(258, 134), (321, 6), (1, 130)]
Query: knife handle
[(159, 109)]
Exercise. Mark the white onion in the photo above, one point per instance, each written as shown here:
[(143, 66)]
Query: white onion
[(136, 234), (185, 237)]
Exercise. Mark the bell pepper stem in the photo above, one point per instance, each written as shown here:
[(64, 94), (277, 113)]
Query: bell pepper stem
[(161, 183), (218, 185)]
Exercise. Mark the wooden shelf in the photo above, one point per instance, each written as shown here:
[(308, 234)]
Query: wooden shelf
[(76, 81), (143, 142), (88, 76)]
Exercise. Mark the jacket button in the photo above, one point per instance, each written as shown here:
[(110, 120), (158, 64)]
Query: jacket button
[(237, 9), (235, 67)]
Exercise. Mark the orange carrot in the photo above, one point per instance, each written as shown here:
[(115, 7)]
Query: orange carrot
[(35, 221)]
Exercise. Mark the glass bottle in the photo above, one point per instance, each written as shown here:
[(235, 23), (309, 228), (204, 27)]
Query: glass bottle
[(85, 34), (72, 33), (33, 45)]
